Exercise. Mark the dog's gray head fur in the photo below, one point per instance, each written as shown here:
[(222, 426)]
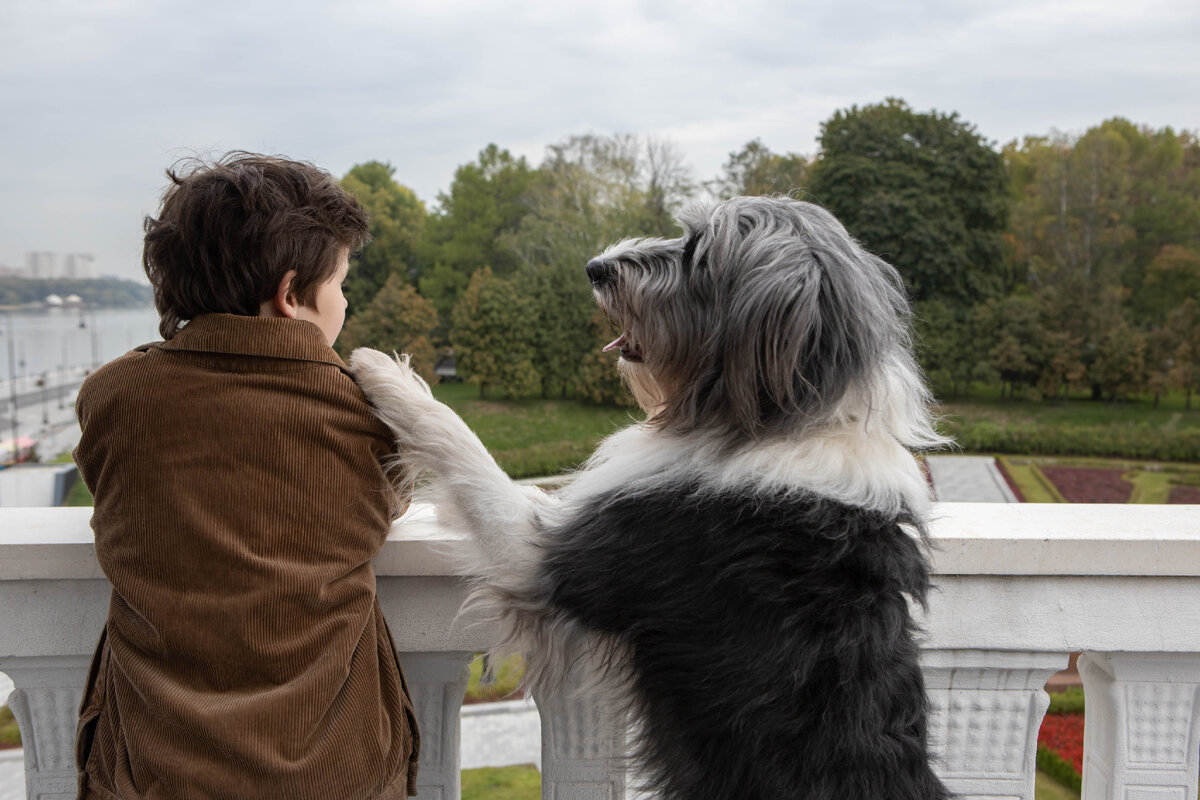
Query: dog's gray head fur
[(764, 318)]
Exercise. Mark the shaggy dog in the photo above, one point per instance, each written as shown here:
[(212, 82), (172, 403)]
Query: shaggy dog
[(744, 560)]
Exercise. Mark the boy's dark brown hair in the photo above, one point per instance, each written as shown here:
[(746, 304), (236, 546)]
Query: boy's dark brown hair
[(228, 232)]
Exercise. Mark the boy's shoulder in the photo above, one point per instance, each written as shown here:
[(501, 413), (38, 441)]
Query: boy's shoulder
[(119, 369)]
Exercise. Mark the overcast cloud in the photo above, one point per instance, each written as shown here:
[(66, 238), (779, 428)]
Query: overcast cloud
[(97, 97)]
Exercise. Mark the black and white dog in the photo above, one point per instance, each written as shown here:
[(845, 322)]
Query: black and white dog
[(744, 560)]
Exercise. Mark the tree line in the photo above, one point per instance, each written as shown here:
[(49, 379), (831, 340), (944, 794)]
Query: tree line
[(104, 292), (1053, 265)]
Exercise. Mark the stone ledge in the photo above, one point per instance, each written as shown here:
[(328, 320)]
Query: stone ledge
[(968, 538)]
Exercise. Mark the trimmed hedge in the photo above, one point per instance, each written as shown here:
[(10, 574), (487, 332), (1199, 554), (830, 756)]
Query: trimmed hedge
[(1056, 767), (1125, 441), (9, 734), (1068, 701)]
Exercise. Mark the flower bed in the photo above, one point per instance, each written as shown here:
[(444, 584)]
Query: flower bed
[(1060, 748), (1087, 485), (1184, 495), (1012, 484)]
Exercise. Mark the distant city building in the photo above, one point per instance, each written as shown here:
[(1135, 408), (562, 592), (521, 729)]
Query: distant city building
[(13, 272), (42, 264), (79, 265)]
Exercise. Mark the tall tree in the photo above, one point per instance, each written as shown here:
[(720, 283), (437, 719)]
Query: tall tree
[(1170, 278), (1104, 227), (396, 320), (492, 336), (755, 170), (949, 351), (486, 201), (1184, 327), (1011, 330), (596, 379), (589, 192), (922, 190), (397, 222)]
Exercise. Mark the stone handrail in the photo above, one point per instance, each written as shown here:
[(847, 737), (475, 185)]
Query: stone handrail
[(1018, 588)]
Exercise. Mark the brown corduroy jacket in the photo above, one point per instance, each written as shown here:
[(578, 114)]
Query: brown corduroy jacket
[(239, 498)]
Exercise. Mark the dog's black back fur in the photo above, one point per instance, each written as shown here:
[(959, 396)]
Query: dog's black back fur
[(769, 642)]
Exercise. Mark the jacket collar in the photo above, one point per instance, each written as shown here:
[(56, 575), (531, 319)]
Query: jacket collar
[(270, 337)]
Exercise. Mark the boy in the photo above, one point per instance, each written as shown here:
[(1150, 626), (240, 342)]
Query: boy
[(239, 498)]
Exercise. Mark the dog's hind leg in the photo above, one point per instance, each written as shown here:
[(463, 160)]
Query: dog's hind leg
[(474, 490)]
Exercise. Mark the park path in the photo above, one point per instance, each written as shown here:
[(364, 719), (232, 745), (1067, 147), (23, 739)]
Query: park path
[(968, 479)]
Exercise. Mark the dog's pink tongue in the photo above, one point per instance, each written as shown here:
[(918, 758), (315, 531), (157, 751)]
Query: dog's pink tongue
[(614, 344)]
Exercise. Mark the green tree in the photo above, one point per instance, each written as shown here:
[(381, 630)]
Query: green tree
[(1172, 277), (755, 170), (397, 221), (1011, 330), (493, 336), (922, 190), (396, 320), (1104, 224), (589, 192), (947, 347), (596, 379), (667, 182), (486, 201), (1184, 327), (1120, 366), (98, 292)]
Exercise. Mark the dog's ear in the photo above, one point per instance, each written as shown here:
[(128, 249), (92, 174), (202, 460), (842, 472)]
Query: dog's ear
[(811, 315)]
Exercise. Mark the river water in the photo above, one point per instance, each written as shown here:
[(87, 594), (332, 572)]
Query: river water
[(44, 340)]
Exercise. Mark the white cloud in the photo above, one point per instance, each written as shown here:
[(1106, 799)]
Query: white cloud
[(100, 95)]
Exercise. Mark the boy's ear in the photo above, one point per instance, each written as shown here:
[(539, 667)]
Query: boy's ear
[(283, 303)]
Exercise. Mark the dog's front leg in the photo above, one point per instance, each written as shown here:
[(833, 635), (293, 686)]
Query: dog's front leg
[(470, 485)]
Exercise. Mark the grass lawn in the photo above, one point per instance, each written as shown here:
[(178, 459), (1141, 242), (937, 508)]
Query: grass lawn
[(534, 437), (1046, 788), (503, 783), (985, 403), (1079, 427), (506, 679)]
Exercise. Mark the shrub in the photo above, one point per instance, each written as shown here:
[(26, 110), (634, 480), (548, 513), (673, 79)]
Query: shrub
[(9, 735), (1130, 441), (1068, 701), (1053, 765)]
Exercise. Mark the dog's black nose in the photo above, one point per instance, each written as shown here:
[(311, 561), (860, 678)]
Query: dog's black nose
[(599, 271)]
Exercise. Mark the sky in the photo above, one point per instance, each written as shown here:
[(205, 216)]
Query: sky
[(98, 97)]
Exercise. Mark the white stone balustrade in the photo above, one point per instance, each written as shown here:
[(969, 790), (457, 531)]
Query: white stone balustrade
[(1019, 586)]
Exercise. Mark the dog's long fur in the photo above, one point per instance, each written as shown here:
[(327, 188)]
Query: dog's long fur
[(744, 559)]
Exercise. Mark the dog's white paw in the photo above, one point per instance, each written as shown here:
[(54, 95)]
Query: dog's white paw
[(378, 373), (401, 398), (429, 434)]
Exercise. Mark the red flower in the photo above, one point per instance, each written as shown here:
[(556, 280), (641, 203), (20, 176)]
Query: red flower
[(1063, 733)]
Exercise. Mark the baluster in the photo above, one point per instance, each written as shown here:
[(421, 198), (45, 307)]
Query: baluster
[(45, 702), (986, 708), (437, 682), (1142, 727), (583, 742)]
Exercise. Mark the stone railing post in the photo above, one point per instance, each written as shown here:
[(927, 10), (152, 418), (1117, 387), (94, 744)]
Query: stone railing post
[(985, 710), (1142, 728), (583, 742), (436, 682), (45, 702)]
